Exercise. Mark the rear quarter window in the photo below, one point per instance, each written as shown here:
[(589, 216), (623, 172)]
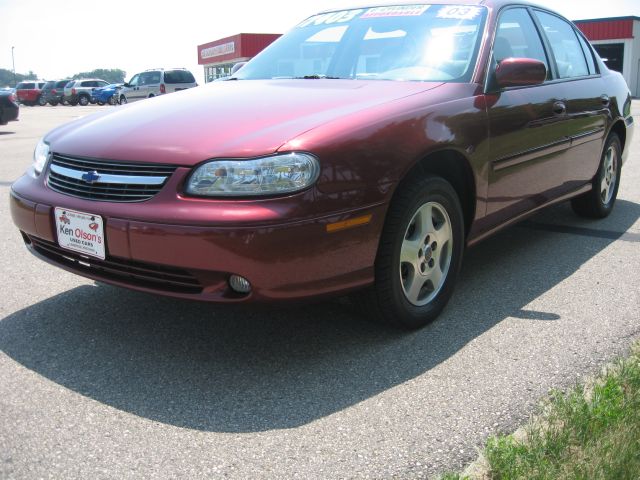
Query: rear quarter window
[(63, 83), (178, 76), (25, 86)]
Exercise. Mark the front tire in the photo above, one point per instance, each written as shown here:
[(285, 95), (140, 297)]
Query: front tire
[(599, 201), (42, 101), (53, 103), (123, 100), (419, 255)]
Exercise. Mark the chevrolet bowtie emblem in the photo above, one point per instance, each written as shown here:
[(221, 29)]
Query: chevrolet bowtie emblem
[(91, 177)]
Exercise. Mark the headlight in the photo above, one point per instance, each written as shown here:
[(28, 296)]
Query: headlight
[(262, 176), (40, 156)]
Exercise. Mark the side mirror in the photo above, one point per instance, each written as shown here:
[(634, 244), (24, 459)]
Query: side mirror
[(520, 72), (237, 67), (126, 84)]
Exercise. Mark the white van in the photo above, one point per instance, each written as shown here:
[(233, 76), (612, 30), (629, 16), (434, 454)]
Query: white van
[(154, 82)]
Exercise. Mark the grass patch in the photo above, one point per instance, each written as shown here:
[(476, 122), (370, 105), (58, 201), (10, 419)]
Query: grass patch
[(592, 432)]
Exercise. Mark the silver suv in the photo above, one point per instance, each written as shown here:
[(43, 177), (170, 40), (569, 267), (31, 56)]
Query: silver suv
[(79, 91), (157, 81)]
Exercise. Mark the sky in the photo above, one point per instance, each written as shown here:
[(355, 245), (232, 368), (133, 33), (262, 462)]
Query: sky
[(58, 39)]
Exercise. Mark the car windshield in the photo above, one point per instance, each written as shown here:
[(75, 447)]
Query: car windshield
[(404, 42)]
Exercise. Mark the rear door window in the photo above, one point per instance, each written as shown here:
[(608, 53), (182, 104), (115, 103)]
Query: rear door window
[(588, 54), (565, 46), (178, 76), (149, 78), (25, 86)]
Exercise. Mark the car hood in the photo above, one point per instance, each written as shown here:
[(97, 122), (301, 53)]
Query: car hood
[(222, 119)]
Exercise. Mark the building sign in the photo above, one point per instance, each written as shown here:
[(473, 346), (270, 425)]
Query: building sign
[(218, 50)]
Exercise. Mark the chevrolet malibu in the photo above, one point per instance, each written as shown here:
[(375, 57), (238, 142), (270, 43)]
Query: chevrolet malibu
[(363, 150)]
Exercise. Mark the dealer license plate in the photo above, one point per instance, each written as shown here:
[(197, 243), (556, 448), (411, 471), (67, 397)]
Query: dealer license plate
[(80, 232)]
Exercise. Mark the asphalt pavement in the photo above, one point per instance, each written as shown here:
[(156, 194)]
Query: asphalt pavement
[(101, 382)]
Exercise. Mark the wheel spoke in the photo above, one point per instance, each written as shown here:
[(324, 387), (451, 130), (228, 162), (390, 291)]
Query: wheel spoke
[(415, 287), (426, 220), (409, 252), (604, 189), (436, 275)]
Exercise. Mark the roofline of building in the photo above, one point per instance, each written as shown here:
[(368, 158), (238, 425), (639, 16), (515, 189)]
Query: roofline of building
[(607, 19)]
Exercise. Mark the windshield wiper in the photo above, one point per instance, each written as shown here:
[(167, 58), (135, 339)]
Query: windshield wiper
[(316, 77)]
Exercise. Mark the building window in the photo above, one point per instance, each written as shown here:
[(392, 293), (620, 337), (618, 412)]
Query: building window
[(612, 54)]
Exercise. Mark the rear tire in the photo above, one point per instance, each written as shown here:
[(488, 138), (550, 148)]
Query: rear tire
[(83, 100), (42, 101), (53, 103), (599, 201), (419, 255)]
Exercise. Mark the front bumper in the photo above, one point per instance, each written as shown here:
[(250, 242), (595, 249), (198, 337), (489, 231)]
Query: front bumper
[(282, 260)]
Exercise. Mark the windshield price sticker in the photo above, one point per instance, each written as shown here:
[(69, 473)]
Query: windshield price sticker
[(331, 18), (459, 12), (80, 232), (396, 11)]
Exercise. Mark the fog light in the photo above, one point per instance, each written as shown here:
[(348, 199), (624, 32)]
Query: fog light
[(239, 284)]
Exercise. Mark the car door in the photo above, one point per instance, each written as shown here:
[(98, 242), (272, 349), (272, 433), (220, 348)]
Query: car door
[(132, 91), (586, 101), (527, 125)]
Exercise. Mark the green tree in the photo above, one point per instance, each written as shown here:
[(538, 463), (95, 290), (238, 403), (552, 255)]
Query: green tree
[(111, 75), (6, 77)]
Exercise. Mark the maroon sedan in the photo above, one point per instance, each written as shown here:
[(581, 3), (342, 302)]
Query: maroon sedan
[(364, 150)]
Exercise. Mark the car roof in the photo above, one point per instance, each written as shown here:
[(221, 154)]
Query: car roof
[(496, 4)]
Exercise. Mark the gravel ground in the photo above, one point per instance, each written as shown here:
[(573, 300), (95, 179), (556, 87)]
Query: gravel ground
[(100, 382)]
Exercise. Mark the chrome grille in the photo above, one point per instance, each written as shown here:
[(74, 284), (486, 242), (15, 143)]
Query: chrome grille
[(106, 181)]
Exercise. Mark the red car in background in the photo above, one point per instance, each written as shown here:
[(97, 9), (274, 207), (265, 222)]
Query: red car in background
[(363, 150), (29, 91)]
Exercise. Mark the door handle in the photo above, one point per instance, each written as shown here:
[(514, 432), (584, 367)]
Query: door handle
[(605, 100), (559, 108)]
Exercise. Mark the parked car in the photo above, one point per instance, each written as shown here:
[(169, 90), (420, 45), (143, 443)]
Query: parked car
[(364, 149), (108, 94), (29, 91), (79, 91), (53, 92), (9, 108), (158, 81)]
